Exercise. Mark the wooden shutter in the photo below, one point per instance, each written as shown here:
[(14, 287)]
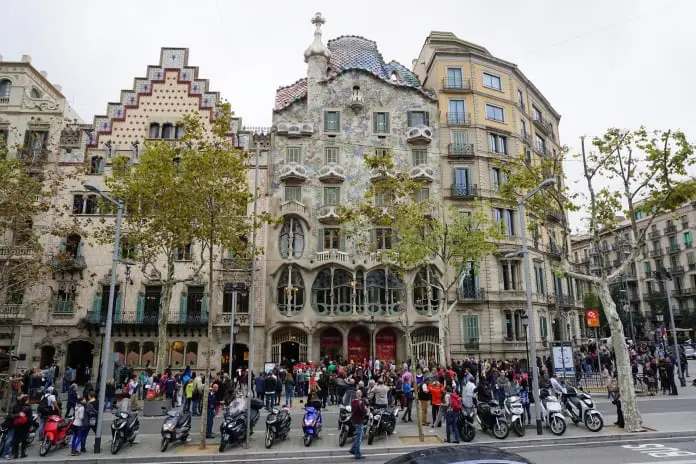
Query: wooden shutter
[(96, 306), (204, 308), (183, 303), (141, 308), (320, 240), (117, 307)]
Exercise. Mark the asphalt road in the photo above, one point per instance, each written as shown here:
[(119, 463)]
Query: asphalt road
[(664, 451)]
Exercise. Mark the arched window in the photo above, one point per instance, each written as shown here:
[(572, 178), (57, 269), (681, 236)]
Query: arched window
[(35, 93), (425, 297), (5, 87), (148, 358), (191, 353), (72, 245), (291, 291), (179, 131), (133, 354), (177, 355), (167, 131), (383, 292), (291, 238), (154, 131), (120, 349), (96, 165), (332, 292)]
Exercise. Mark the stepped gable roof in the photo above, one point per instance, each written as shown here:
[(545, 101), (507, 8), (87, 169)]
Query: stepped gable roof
[(349, 53)]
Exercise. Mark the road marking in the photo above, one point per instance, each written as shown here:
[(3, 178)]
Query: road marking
[(657, 450), (666, 462), (598, 442)]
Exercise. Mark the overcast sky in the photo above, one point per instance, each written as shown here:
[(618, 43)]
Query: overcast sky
[(600, 63)]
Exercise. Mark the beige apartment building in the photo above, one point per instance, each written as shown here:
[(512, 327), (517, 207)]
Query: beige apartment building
[(668, 246), (37, 125), (70, 329), (489, 110)]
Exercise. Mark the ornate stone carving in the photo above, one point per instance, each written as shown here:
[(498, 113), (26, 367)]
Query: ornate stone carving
[(41, 105)]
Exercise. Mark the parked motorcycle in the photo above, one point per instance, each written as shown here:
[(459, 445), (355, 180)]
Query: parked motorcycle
[(381, 421), (490, 416), (311, 423), (579, 407), (278, 423), (467, 431), (176, 428), (33, 428), (57, 432), (513, 413), (124, 429), (551, 413), (233, 427)]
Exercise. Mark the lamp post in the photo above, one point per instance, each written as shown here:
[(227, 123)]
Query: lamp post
[(525, 324), (373, 327), (665, 276), (530, 308), (234, 329), (109, 314)]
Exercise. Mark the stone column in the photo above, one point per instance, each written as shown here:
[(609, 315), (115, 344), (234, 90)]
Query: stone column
[(345, 331), (310, 347)]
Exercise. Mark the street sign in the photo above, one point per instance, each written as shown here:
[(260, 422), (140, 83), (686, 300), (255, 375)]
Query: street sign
[(592, 318), (563, 364)]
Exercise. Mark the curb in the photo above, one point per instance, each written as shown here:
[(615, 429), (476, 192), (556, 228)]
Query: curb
[(341, 454)]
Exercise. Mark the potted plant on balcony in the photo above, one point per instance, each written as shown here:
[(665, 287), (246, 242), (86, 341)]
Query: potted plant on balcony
[(63, 259)]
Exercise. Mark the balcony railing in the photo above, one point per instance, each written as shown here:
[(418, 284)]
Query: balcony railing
[(456, 85), (655, 253), (292, 206), (554, 249), (63, 307), (655, 234), (33, 155), (671, 229), (674, 248), (146, 318), (688, 244), (463, 191), (543, 125), (683, 292), (332, 255), (16, 252), (11, 311), (555, 215), (565, 300), (239, 263), (467, 293), (67, 262), (460, 149), (654, 295), (458, 119), (676, 270)]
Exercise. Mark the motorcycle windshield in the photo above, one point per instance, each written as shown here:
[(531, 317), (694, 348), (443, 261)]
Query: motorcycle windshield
[(236, 407)]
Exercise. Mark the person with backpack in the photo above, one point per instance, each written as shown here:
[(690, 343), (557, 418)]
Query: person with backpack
[(90, 419), (72, 399), (77, 427), (18, 428), (46, 408), (453, 405)]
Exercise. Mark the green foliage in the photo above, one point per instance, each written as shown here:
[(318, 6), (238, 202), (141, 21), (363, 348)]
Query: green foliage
[(591, 301)]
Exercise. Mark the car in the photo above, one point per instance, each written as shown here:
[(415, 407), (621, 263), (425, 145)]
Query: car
[(689, 352), (460, 455)]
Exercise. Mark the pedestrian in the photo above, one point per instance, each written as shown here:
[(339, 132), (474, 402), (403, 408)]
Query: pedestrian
[(289, 388), (188, 395), (408, 398), (436, 391), (90, 420), (453, 406), (424, 399), (211, 410), (77, 427), (269, 388), (357, 417), (196, 395), (110, 395), (72, 399), (259, 381), (133, 391), (524, 399)]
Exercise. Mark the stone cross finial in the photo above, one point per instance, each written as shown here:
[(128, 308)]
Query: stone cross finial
[(318, 20)]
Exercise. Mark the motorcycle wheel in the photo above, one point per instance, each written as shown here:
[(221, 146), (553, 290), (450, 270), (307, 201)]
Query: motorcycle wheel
[(371, 435), (343, 436), (557, 425), (45, 447), (501, 430), (308, 439), (467, 432), (164, 445), (519, 428), (269, 438), (223, 445), (594, 422), (116, 444), (28, 441)]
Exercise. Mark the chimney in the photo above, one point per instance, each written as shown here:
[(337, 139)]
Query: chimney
[(59, 87), (26, 59), (44, 74)]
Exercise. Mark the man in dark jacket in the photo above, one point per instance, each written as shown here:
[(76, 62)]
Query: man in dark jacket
[(18, 422), (269, 388)]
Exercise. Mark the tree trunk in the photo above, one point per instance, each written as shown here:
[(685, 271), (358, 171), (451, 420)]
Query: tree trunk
[(442, 353), (208, 354), (629, 405), (165, 305), (414, 386)]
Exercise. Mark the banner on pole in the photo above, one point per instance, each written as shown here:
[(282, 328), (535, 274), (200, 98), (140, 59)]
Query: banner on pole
[(592, 318)]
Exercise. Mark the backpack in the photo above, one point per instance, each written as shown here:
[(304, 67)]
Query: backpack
[(455, 402), (90, 415), (43, 409)]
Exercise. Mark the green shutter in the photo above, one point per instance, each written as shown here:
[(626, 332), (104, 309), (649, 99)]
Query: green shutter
[(102, 161), (96, 307), (387, 121), (79, 248), (183, 302), (61, 247), (117, 307), (204, 308), (141, 308)]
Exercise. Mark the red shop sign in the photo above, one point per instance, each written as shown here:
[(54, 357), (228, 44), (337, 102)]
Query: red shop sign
[(385, 342), (358, 345)]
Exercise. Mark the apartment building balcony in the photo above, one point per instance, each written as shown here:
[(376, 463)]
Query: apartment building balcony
[(654, 295), (33, 155), (67, 262), (468, 294), (460, 150), (189, 318), (683, 292), (419, 134), (12, 311), (295, 129), (332, 174), (422, 172), (507, 295), (381, 173), (328, 214), (458, 119), (556, 215), (688, 245), (63, 307), (18, 252), (459, 191), (294, 207), (670, 230), (235, 262), (565, 300), (332, 256), (240, 319), (676, 270), (456, 85), (630, 276), (655, 234), (656, 253), (543, 150), (544, 126), (293, 172), (685, 224), (126, 318), (675, 248)]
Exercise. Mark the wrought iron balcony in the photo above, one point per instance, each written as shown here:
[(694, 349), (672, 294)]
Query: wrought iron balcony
[(674, 248), (544, 126), (468, 293), (464, 191), (676, 270), (456, 85), (458, 119), (555, 215), (63, 307), (655, 253), (671, 229), (458, 150), (683, 292), (67, 262), (655, 234), (33, 155), (16, 252), (12, 311), (654, 295)]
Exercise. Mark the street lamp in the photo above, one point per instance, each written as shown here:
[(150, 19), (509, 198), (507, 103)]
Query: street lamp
[(530, 308), (109, 314), (665, 276), (525, 324), (373, 327), (234, 328)]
